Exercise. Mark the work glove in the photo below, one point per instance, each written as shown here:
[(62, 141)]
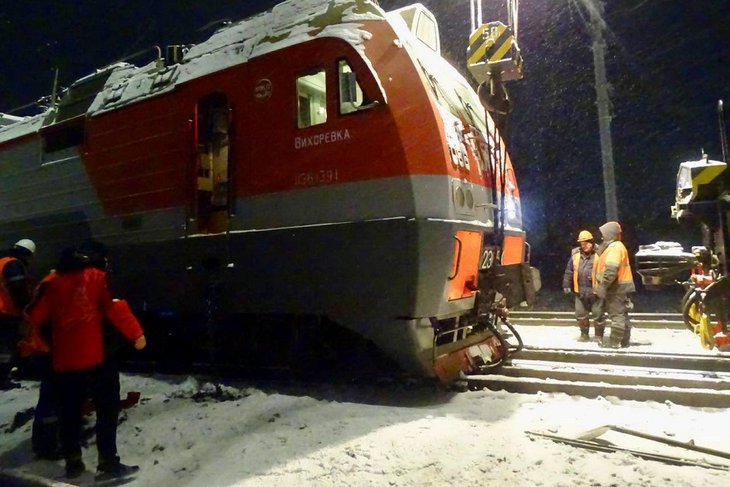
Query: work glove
[(567, 290)]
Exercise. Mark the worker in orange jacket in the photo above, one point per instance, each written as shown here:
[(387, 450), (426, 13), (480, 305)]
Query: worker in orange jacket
[(76, 303), (579, 280), (35, 350), (615, 283), (14, 296)]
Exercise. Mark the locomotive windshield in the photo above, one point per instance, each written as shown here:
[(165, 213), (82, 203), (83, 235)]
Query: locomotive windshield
[(452, 92)]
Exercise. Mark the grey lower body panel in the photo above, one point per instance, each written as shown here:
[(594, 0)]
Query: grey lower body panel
[(382, 279)]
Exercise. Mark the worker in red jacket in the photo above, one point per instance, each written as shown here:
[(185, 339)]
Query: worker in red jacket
[(37, 357), (77, 306)]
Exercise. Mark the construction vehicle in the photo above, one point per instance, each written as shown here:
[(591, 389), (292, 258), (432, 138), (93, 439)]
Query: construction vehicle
[(702, 198)]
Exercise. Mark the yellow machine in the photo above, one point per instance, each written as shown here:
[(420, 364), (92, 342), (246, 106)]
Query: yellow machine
[(494, 58), (703, 198)]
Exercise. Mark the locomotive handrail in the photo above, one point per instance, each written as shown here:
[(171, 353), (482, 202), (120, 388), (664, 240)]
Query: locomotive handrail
[(458, 259)]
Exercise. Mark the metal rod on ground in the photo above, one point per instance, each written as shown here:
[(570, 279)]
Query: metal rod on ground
[(642, 454), (661, 439)]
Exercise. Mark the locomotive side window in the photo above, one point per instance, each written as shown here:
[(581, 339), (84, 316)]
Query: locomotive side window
[(312, 99), (351, 95), (59, 138)]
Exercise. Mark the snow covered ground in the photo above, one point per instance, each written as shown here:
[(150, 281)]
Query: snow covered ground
[(187, 433)]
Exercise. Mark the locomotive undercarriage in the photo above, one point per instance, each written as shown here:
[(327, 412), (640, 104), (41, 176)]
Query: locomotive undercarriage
[(367, 295)]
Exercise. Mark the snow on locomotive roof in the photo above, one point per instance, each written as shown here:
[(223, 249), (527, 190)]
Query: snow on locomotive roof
[(288, 23), (21, 127), (663, 249), (6, 119)]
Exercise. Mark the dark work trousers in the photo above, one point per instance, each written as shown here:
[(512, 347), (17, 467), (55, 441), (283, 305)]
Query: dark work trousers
[(45, 422), (9, 336), (102, 382), (618, 310), (589, 303)]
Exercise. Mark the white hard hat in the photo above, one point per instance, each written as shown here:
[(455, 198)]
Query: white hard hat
[(26, 244)]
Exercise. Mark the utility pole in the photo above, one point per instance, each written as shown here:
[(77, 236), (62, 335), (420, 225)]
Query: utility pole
[(597, 26)]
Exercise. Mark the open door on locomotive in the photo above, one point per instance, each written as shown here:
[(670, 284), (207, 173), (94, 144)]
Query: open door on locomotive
[(211, 201)]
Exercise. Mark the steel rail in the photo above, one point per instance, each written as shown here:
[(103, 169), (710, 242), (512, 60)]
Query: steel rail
[(692, 380), (618, 376), (706, 398), (567, 318), (707, 363)]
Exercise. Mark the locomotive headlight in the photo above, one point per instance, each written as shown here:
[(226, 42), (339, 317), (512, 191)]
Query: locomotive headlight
[(511, 207), (469, 199), (464, 197), (459, 196)]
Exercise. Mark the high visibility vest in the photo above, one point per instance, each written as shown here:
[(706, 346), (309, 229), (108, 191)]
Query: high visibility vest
[(616, 256), (7, 304), (576, 265)]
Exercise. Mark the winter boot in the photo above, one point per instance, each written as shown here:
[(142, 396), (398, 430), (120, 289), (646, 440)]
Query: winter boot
[(114, 469), (600, 329), (585, 327), (614, 340), (626, 340), (45, 439), (74, 467)]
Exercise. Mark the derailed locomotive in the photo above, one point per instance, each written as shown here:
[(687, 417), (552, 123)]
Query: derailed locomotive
[(314, 172)]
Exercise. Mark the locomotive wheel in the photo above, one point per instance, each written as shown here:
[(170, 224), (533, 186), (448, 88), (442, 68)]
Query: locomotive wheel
[(691, 313), (704, 330), (699, 323)]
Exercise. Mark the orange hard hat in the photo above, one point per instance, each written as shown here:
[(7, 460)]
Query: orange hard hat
[(584, 236)]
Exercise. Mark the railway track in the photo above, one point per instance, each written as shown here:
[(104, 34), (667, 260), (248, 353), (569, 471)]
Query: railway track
[(687, 379), (692, 380), (567, 318)]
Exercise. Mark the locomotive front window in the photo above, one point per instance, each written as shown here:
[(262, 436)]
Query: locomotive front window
[(351, 95), (427, 32), (312, 99)]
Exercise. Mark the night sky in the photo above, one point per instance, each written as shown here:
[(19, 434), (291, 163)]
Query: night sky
[(668, 63)]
